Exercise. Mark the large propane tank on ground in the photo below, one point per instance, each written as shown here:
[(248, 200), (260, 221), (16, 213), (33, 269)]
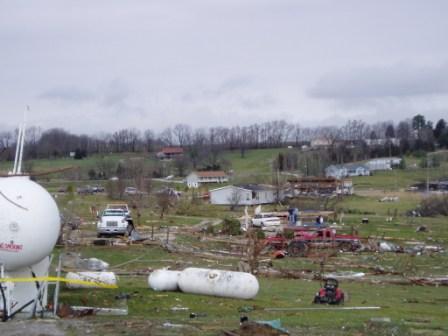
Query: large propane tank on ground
[(164, 280), (238, 285), (106, 278), (29, 222)]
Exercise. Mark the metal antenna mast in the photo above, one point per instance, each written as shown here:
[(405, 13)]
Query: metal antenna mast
[(17, 169)]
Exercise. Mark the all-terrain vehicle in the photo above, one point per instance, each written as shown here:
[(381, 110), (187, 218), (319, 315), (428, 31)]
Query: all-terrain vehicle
[(330, 293)]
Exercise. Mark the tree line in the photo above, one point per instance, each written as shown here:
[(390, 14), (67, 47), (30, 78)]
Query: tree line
[(354, 140)]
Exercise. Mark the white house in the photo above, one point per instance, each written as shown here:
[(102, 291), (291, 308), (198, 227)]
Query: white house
[(194, 179), (249, 194), (383, 163), (345, 170)]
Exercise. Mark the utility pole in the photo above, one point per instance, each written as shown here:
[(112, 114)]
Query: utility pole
[(427, 173)]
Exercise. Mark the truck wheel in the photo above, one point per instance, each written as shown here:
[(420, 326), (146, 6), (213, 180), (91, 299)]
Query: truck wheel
[(346, 247), (297, 249)]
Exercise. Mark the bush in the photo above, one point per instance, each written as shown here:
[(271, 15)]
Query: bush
[(434, 206), (70, 189), (92, 174), (114, 189), (261, 235), (288, 234), (80, 154), (429, 162), (231, 226), (210, 229)]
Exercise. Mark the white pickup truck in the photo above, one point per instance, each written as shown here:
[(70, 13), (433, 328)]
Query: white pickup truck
[(265, 219), (113, 221), (119, 206)]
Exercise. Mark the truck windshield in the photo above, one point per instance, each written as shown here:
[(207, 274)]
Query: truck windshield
[(113, 213)]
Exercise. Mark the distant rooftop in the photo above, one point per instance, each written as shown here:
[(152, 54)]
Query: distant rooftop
[(255, 187), (172, 150), (211, 173)]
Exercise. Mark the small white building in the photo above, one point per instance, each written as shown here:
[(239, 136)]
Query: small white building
[(195, 179), (250, 194), (382, 142), (383, 163), (350, 169)]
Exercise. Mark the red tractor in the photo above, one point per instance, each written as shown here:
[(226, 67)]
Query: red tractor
[(330, 293), (305, 239)]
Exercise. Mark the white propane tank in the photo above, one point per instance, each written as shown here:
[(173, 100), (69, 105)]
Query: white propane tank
[(107, 278), (205, 281), (29, 222), (164, 280)]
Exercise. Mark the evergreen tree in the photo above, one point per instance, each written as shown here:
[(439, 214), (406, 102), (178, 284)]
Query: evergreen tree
[(440, 127)]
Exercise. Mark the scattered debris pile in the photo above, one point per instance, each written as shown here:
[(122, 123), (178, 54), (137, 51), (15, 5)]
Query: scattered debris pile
[(259, 328)]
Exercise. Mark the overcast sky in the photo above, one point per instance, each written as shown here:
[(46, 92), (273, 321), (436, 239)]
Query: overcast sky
[(103, 65)]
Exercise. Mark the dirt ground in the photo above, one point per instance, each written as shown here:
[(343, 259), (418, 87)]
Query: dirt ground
[(93, 326), (32, 328)]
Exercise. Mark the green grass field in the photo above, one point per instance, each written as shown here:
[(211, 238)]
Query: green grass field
[(413, 310), (406, 306)]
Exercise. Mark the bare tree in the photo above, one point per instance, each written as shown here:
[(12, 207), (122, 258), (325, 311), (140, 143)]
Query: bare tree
[(404, 130), (198, 150), (133, 139), (136, 170), (243, 139), (297, 134), (165, 201), (105, 167), (181, 164), (115, 189), (254, 248), (182, 133), (354, 130), (32, 137), (166, 137), (235, 199), (149, 139)]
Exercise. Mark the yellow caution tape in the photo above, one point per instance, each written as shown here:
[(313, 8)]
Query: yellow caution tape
[(73, 281)]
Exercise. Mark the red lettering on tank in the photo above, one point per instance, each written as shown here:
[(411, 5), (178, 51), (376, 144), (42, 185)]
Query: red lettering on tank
[(11, 247)]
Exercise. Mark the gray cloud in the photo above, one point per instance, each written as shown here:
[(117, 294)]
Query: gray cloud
[(228, 61), (112, 98), (115, 94), (240, 92), (236, 83), (230, 86), (382, 82), (260, 101), (68, 94)]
